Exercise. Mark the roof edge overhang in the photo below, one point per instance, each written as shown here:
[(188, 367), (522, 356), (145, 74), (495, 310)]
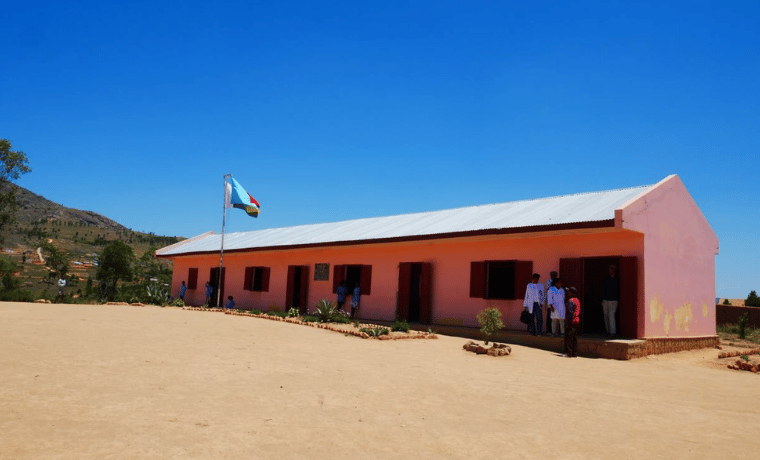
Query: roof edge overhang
[(607, 223)]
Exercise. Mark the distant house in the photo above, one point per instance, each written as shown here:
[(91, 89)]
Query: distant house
[(442, 267)]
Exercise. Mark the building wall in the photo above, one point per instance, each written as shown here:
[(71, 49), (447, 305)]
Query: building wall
[(450, 261), (679, 252)]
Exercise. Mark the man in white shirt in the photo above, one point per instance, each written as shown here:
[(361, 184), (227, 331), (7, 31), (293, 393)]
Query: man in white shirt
[(553, 275), (557, 307), (534, 300), (61, 285)]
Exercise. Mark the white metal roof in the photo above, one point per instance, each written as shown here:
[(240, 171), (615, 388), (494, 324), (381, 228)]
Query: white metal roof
[(568, 209)]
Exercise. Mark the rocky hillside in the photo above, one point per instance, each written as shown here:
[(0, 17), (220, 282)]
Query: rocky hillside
[(37, 209)]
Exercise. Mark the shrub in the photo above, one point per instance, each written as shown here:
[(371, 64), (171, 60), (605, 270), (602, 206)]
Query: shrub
[(340, 317), (726, 302), (281, 314), (752, 300), (178, 303), (490, 322), (309, 319), (293, 312), (325, 310), (256, 311), (17, 295), (274, 307), (356, 323), (375, 331), (400, 326), (743, 320)]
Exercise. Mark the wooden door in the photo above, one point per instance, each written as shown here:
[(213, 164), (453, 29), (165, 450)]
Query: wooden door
[(630, 316), (425, 297), (404, 288), (304, 292)]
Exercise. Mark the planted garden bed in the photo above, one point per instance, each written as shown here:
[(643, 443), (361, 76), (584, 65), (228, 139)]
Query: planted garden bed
[(327, 317)]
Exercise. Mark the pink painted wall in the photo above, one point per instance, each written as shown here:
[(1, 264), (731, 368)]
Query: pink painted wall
[(679, 252), (450, 261)]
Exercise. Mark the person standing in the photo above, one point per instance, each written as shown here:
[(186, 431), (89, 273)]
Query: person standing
[(553, 275), (355, 300), (573, 323), (61, 285), (611, 299), (342, 292), (182, 290), (557, 307), (209, 293), (534, 300)]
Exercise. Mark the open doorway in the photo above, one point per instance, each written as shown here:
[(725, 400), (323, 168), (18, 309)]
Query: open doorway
[(214, 280), (414, 292), (587, 274), (297, 291), (594, 272)]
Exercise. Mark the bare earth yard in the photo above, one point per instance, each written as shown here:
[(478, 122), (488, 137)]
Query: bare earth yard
[(118, 382)]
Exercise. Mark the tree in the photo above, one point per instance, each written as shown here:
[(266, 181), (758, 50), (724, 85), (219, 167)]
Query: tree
[(55, 260), (114, 265), (490, 322), (752, 300), (14, 164)]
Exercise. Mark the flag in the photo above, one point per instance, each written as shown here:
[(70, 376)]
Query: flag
[(237, 197)]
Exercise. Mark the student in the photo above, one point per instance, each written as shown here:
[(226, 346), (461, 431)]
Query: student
[(182, 290), (553, 275), (557, 307), (610, 299), (355, 299), (534, 299), (342, 293), (573, 323), (209, 292), (230, 303)]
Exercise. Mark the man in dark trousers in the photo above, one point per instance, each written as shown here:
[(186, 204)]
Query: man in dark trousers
[(610, 299)]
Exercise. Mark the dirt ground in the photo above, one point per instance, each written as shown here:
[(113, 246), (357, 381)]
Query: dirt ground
[(119, 382)]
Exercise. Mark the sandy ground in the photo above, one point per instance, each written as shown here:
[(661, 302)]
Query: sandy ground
[(117, 382)]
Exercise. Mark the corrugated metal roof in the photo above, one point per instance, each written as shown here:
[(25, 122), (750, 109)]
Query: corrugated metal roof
[(568, 209)]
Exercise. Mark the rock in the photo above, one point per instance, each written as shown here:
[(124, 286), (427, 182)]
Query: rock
[(41, 301), (481, 350)]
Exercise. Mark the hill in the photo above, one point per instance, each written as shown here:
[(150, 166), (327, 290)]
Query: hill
[(80, 235), (36, 208)]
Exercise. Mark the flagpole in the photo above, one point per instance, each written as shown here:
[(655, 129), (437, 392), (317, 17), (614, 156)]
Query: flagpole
[(221, 252)]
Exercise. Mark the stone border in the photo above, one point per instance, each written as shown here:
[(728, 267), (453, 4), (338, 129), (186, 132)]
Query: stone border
[(326, 326)]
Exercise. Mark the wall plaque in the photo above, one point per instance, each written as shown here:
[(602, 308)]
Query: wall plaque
[(321, 272)]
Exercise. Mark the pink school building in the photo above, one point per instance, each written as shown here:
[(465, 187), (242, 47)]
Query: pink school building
[(443, 267)]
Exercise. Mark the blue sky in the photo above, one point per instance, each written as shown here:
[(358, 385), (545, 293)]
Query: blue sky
[(335, 110)]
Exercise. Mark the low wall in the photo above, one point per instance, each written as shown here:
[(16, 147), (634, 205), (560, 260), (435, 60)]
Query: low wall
[(727, 314)]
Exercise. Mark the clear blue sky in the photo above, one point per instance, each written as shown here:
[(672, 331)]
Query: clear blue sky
[(335, 110)]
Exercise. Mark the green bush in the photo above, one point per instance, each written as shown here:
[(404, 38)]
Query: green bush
[(309, 319), (256, 311), (16, 295), (281, 314), (375, 331), (490, 322), (726, 302), (743, 320), (340, 318), (400, 326), (178, 303), (293, 312), (325, 310), (752, 300)]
